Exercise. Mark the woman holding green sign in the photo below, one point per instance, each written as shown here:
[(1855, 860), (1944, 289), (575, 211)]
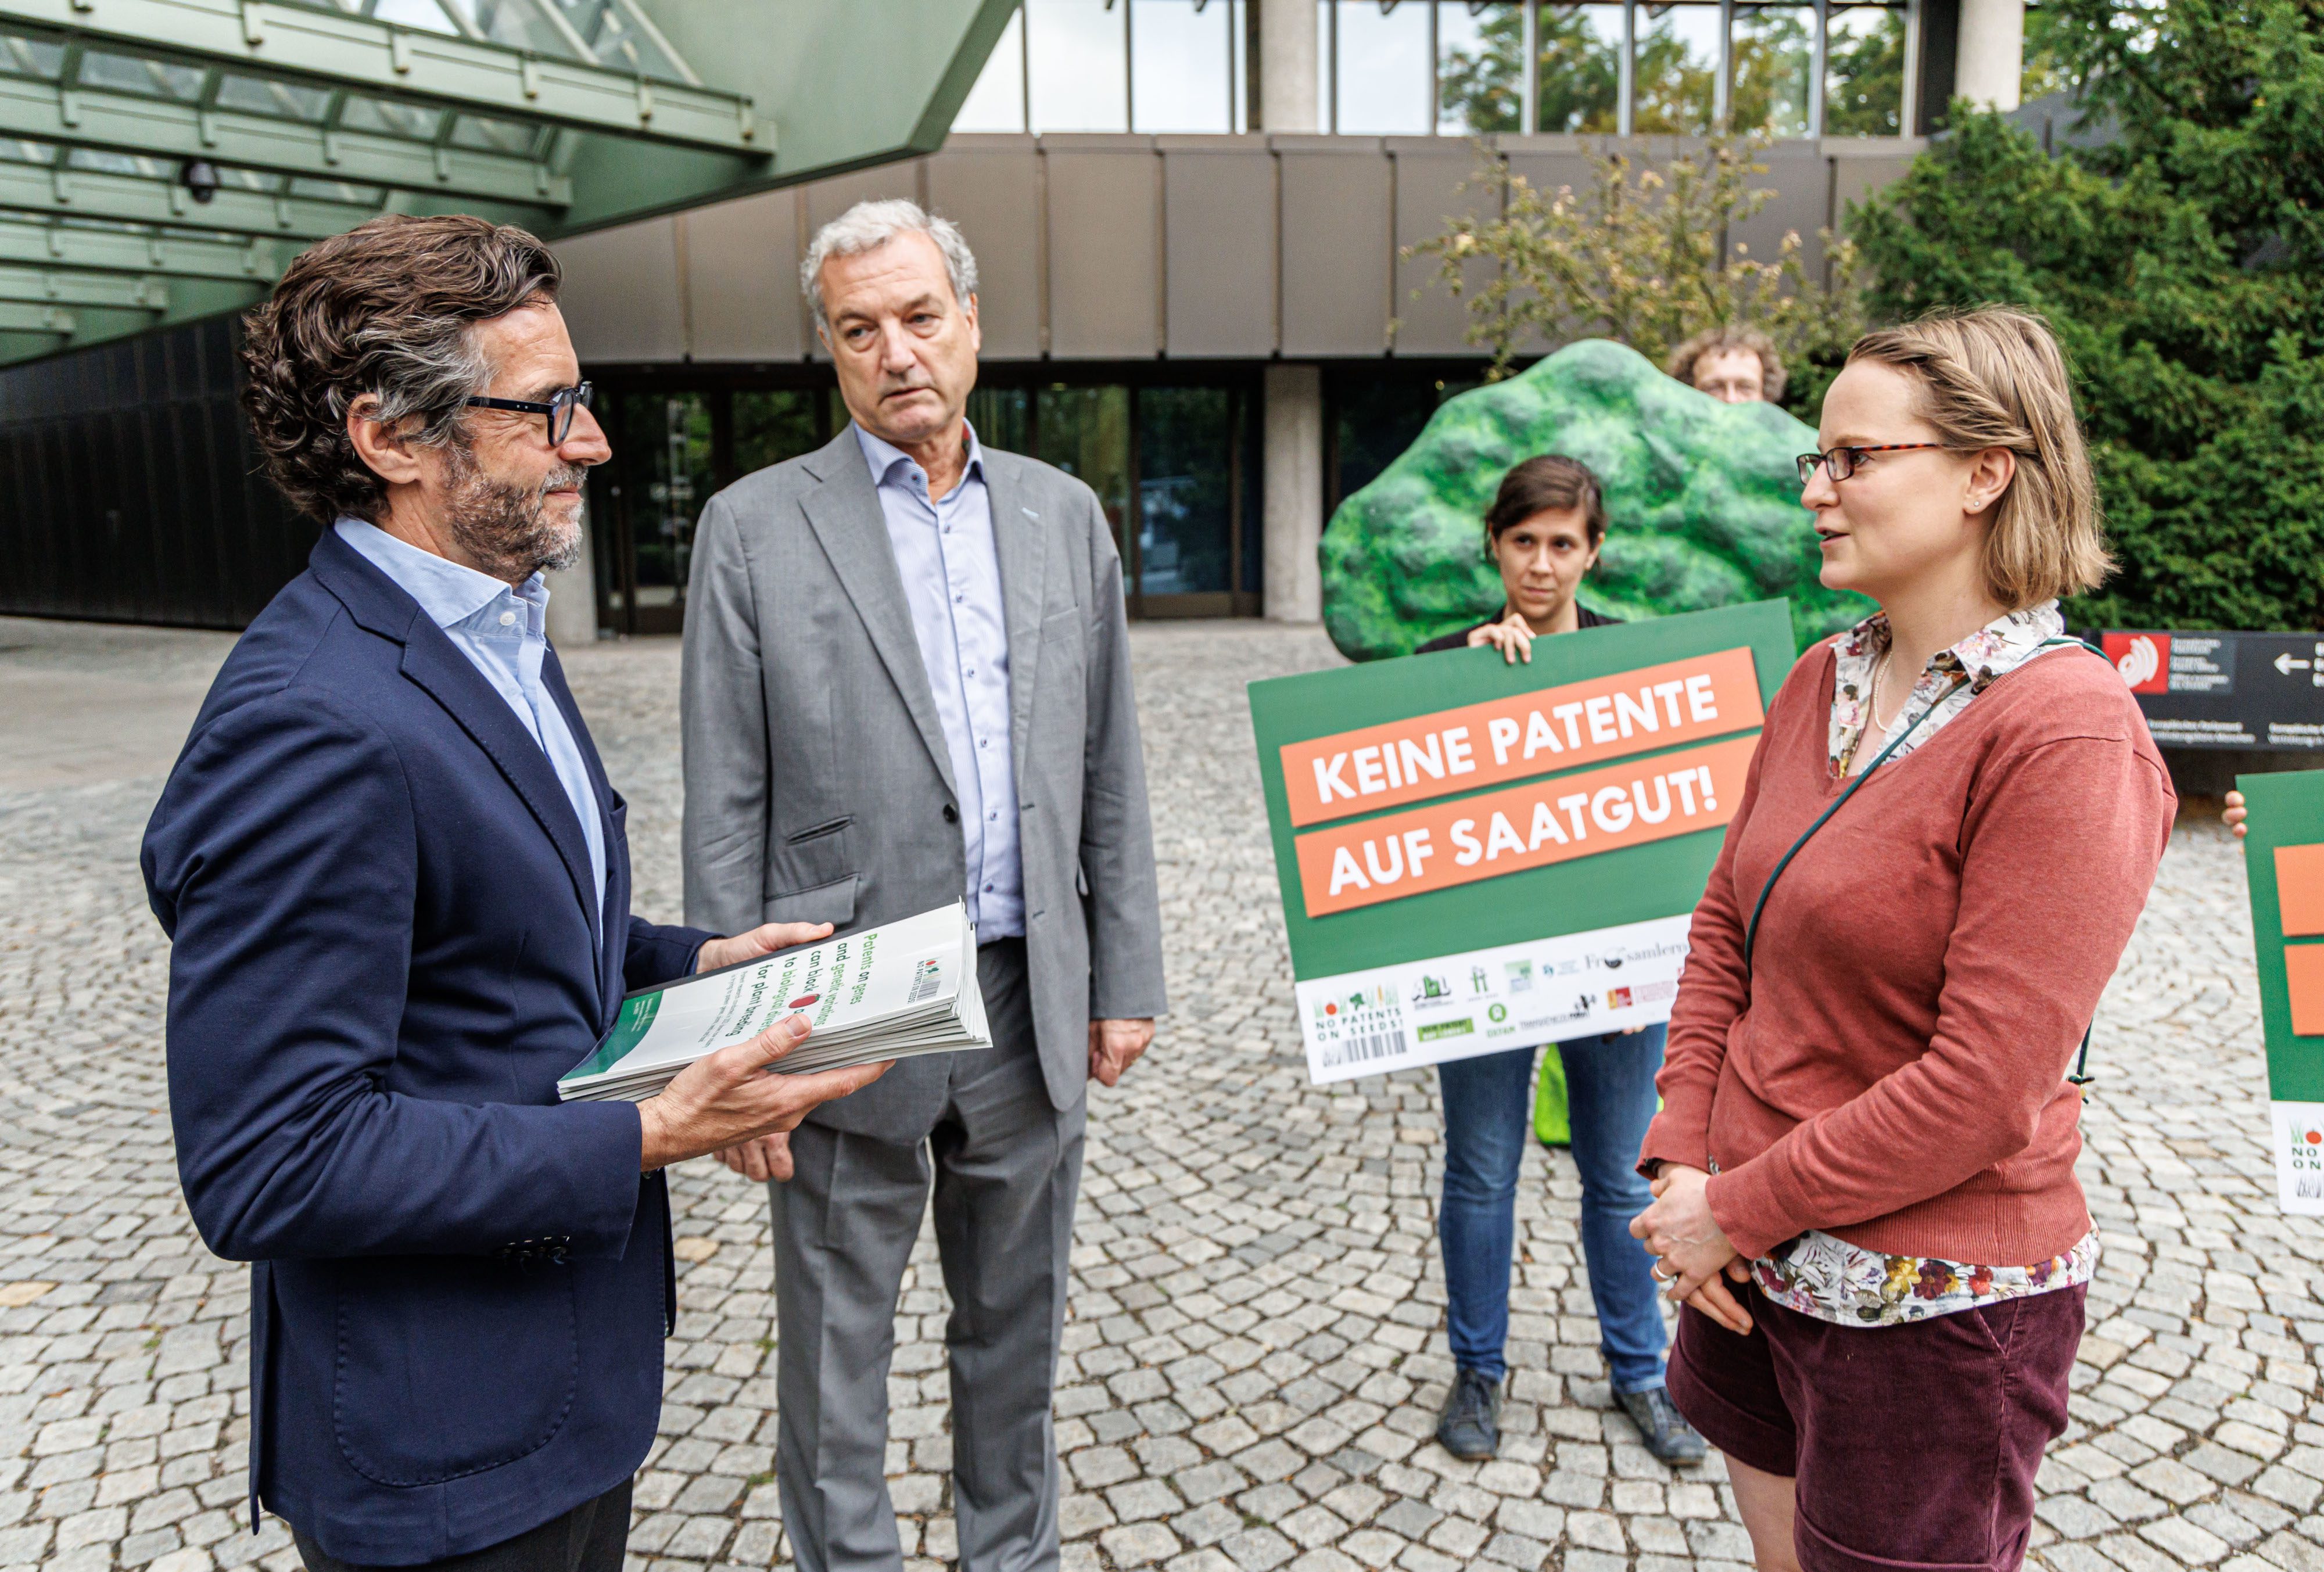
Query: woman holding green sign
[(1542, 532), (1864, 1174)]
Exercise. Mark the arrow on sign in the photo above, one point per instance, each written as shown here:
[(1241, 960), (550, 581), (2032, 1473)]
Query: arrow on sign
[(2287, 666)]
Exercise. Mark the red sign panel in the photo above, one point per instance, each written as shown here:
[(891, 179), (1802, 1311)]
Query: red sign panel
[(2143, 658)]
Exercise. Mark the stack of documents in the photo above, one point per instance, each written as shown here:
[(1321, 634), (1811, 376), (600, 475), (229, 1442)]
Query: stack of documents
[(889, 992)]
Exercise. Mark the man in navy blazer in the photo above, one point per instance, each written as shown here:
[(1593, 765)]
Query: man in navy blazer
[(397, 887)]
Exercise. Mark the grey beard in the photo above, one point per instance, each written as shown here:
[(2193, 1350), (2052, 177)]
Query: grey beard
[(507, 529)]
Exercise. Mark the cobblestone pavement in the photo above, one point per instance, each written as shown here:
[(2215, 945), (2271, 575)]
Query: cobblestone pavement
[(1256, 1347)]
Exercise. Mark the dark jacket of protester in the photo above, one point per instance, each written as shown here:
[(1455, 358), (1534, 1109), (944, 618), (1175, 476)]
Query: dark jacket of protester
[(385, 954), (1460, 639)]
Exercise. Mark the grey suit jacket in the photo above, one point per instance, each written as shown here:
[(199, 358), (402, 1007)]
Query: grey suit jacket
[(818, 787)]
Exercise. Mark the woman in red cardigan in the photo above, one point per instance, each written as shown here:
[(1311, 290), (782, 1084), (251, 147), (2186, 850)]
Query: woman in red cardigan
[(1863, 1170)]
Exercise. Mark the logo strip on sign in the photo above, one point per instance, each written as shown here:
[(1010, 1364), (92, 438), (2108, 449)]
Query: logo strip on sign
[(1515, 738), (1567, 816)]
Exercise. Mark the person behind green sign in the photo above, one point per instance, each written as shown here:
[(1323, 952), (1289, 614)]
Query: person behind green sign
[(1542, 532), (1864, 1173)]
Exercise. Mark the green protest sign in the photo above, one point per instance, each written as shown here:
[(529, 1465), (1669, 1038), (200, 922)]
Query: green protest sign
[(1475, 855), (2283, 855)]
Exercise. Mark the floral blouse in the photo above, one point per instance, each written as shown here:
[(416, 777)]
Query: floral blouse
[(1816, 1274)]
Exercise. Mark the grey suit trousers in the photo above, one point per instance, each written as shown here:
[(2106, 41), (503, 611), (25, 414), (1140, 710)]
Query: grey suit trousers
[(1005, 1165)]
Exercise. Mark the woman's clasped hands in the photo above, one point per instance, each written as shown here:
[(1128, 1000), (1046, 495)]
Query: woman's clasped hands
[(1696, 1260)]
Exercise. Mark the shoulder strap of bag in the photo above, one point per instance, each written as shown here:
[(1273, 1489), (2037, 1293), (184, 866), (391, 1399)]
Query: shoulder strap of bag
[(2080, 1076)]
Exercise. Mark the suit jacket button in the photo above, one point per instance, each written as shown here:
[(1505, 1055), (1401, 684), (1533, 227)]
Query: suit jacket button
[(952, 815)]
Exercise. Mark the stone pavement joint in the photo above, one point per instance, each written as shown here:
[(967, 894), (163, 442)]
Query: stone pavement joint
[(1256, 1344)]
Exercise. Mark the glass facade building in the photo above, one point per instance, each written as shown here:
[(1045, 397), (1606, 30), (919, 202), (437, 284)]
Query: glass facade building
[(1461, 68), (1219, 323), (1172, 458)]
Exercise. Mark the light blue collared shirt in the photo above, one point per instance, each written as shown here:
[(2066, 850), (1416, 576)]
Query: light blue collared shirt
[(504, 633), (951, 581)]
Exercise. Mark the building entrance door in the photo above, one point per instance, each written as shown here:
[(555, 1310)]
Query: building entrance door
[(673, 450), (662, 456)]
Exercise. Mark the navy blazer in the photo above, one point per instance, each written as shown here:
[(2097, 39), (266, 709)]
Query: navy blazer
[(386, 952)]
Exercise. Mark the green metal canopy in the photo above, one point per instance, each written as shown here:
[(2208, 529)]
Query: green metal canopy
[(162, 160)]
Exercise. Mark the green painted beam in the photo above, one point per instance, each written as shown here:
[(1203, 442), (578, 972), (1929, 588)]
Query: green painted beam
[(852, 85), (23, 317), (120, 250), (56, 287), (313, 44), (82, 116), (136, 199)]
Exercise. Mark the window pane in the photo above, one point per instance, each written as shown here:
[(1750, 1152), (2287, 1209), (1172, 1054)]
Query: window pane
[(1377, 417), (1774, 57), (666, 439), (1479, 67), (1864, 75), (1086, 432), (1000, 418), (1180, 62), (1580, 67), (773, 426), (1677, 69), (1185, 525), (997, 101), (1383, 69), (1080, 77)]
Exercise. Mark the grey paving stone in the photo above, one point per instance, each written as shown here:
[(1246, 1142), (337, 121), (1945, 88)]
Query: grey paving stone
[(1254, 1344)]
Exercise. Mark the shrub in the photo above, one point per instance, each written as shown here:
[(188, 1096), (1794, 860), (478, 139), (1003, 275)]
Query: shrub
[(2182, 263), (1637, 257)]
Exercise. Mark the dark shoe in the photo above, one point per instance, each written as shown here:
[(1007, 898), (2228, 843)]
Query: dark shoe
[(1668, 1434), (1471, 1428)]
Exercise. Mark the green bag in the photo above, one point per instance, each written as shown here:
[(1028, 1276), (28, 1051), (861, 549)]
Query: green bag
[(1550, 1120)]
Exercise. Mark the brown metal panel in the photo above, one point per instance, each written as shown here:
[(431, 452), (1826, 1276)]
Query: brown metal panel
[(991, 186), (1338, 229), (619, 295), (1219, 225), (1547, 163), (1862, 165), (742, 271), (1106, 246), (1429, 171), (1800, 178)]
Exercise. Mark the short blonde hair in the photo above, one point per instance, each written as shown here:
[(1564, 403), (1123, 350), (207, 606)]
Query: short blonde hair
[(1994, 377)]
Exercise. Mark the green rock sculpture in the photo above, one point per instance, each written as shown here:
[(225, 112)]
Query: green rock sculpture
[(1703, 506)]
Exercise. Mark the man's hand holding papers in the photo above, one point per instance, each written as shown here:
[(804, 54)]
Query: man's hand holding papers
[(727, 1098), (706, 1058)]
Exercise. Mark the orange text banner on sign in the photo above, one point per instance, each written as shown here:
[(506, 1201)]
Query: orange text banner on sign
[(1479, 745), (1528, 826)]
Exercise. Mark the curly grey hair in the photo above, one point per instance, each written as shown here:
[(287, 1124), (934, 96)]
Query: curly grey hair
[(867, 226)]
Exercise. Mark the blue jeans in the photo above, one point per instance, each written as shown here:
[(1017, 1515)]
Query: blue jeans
[(1488, 1103)]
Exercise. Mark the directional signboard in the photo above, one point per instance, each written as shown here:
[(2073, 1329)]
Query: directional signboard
[(2257, 691)]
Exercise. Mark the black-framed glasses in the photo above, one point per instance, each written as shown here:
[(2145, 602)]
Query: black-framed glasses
[(560, 409), (1841, 461)]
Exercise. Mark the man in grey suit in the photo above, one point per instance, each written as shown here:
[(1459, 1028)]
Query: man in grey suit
[(908, 684)]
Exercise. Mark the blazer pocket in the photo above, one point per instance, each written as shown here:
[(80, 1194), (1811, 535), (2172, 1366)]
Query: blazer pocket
[(818, 831), (451, 1365), (833, 903)]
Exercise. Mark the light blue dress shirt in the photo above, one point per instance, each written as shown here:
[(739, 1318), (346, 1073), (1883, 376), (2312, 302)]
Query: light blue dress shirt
[(504, 633), (951, 581)]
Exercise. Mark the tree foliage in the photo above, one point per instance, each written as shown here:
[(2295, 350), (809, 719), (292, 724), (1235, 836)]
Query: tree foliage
[(2182, 267), (1638, 257)]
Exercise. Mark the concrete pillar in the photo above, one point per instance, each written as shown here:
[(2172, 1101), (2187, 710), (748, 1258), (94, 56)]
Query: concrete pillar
[(1294, 492), (1287, 67), (573, 596), (1990, 60)]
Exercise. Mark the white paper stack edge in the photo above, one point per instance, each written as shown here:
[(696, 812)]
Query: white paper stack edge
[(895, 991)]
